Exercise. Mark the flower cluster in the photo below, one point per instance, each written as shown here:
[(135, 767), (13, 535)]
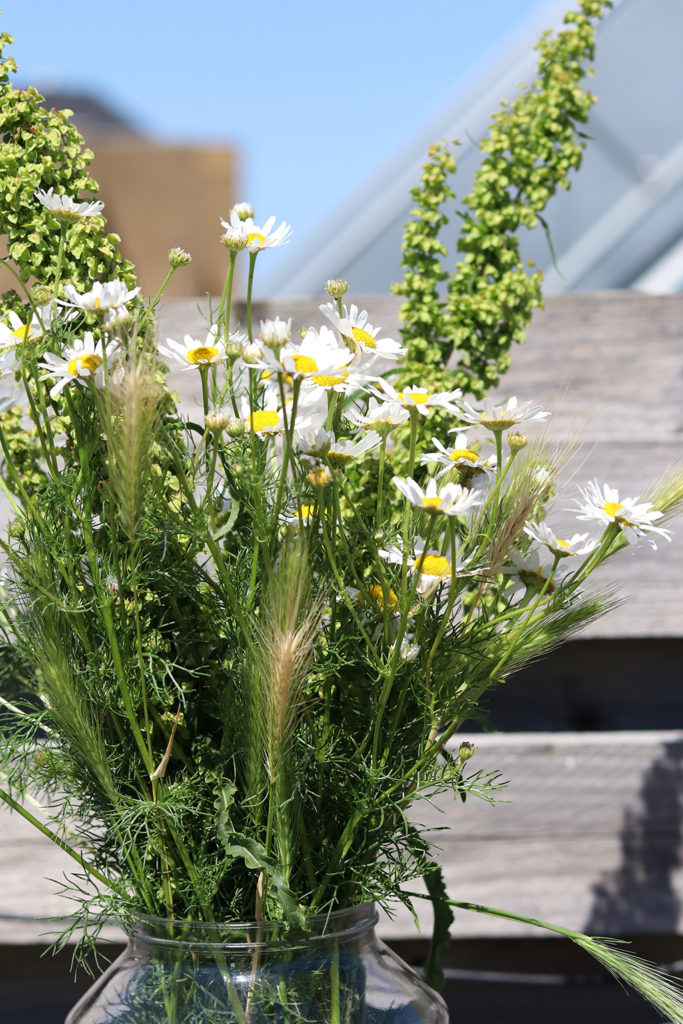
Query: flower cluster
[(239, 625)]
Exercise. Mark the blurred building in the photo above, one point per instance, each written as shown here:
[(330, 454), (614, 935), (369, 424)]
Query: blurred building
[(621, 223), (158, 196)]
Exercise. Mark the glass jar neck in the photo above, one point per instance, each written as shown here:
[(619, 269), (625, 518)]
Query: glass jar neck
[(351, 927)]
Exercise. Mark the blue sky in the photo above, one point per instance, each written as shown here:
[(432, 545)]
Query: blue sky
[(316, 96)]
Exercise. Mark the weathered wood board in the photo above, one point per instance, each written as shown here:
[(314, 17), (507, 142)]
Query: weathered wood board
[(588, 834)]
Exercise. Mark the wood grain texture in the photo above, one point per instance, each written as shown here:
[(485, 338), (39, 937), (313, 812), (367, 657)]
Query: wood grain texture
[(587, 834)]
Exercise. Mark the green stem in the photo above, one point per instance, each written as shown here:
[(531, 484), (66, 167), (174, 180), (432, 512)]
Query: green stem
[(57, 840), (250, 287), (60, 259)]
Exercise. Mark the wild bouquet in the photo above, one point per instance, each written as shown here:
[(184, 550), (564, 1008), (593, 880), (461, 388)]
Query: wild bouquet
[(251, 634)]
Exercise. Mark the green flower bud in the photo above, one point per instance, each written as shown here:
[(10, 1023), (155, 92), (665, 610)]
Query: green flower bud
[(178, 258), (335, 287)]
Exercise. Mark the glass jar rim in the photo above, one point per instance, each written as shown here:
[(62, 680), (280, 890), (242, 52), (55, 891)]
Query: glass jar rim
[(248, 936)]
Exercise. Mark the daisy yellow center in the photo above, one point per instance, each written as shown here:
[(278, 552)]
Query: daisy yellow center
[(97, 302), (416, 397), (377, 595), (22, 333), (431, 502), (305, 364), (363, 337), (201, 354), (463, 453), (306, 511), (612, 507), (262, 419), (324, 381), (255, 237), (434, 565), (89, 362), (562, 543)]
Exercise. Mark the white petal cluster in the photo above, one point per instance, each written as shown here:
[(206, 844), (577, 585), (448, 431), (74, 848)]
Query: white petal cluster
[(452, 500), (190, 352), (265, 236), (636, 519), (103, 296), (66, 209), (85, 358), (361, 335), (421, 399), (577, 544), (503, 415)]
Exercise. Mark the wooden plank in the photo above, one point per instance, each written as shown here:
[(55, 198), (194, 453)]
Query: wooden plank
[(588, 834)]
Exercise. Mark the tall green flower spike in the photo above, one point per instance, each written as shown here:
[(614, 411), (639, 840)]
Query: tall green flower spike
[(533, 144)]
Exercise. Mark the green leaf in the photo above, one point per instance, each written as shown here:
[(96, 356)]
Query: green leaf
[(443, 919)]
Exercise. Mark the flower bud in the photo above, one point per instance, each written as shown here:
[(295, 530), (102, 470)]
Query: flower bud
[(236, 428), (319, 475), (178, 258), (275, 333), (218, 419), (251, 352), (466, 751), (234, 239), (336, 287), (517, 440), (41, 295), (243, 210)]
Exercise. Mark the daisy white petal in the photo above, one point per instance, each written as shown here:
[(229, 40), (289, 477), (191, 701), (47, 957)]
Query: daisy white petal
[(380, 416), (636, 519), (577, 544), (103, 295), (419, 398), (262, 237), (452, 500), (66, 209), (191, 352), (85, 358), (504, 415), (354, 326)]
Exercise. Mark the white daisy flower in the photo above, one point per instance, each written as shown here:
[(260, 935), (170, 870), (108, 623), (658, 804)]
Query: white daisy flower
[(453, 500), (372, 596), (408, 652), (433, 567), (66, 209), (380, 416), (243, 211), (345, 451), (85, 358), (636, 519), (264, 421), (318, 353), (528, 572), (191, 352), (504, 415), (459, 455), (577, 544), (418, 398), (275, 333), (103, 295), (315, 443), (261, 237), (303, 516), (354, 326), (19, 331)]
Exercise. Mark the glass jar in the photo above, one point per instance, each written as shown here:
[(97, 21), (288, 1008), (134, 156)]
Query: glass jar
[(336, 972)]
